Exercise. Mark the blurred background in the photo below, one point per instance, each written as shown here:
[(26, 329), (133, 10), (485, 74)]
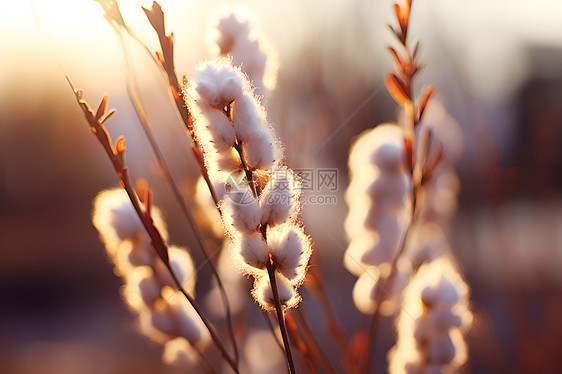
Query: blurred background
[(497, 68)]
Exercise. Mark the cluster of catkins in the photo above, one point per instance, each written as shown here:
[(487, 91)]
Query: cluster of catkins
[(261, 205), (149, 289), (236, 36), (379, 199), (431, 325)]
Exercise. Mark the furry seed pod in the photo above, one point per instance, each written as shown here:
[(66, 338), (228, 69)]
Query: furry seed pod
[(236, 35), (365, 294), (117, 221), (432, 323), (279, 201), (229, 121), (241, 211), (290, 251), (378, 196), (252, 249), (187, 322), (261, 150), (248, 117), (148, 282), (263, 293), (219, 130), (182, 266), (218, 84), (141, 287)]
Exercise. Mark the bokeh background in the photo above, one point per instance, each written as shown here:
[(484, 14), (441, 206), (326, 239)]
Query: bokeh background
[(497, 67)]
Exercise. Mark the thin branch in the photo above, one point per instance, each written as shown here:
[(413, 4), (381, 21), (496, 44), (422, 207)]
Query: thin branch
[(117, 158), (115, 18), (401, 88), (139, 109), (256, 191), (280, 316), (384, 284)]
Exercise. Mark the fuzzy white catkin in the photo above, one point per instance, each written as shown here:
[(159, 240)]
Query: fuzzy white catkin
[(288, 247), (378, 196), (148, 291), (236, 35), (217, 85), (367, 299), (241, 210), (263, 293), (433, 321), (179, 352), (122, 232), (250, 215), (279, 200)]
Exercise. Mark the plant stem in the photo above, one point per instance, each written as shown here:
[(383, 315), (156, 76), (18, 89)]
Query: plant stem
[(280, 317), (139, 109), (383, 284), (197, 309), (270, 266), (158, 243)]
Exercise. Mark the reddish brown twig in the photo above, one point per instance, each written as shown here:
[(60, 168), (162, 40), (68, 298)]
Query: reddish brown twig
[(400, 86), (116, 153), (166, 62)]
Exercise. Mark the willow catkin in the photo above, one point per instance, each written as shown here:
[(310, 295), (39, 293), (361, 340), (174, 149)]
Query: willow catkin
[(431, 325), (378, 196), (260, 215), (149, 289), (236, 35)]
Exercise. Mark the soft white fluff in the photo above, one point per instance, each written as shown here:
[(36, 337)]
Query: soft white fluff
[(236, 35), (431, 325), (366, 296), (263, 293), (248, 116), (218, 84), (187, 322), (253, 249), (227, 114), (219, 129), (148, 291), (290, 251), (141, 288), (241, 211), (378, 196), (261, 150), (279, 200), (248, 212), (426, 242), (117, 221), (183, 269)]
